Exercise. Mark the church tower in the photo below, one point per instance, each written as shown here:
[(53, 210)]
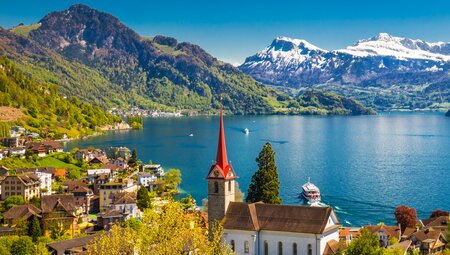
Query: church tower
[(221, 180)]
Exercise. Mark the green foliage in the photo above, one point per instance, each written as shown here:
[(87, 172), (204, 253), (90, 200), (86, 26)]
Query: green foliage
[(265, 184), (12, 201), (187, 202), (365, 244), (46, 111), (23, 246), (36, 201), (132, 223), (34, 229), (54, 160), (136, 122), (133, 159), (143, 199), (393, 240), (406, 217), (74, 174), (173, 178), (24, 30), (4, 129)]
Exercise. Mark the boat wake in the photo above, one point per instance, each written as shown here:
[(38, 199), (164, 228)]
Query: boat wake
[(317, 204)]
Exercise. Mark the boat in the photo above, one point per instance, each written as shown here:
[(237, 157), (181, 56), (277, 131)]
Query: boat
[(246, 131), (191, 135), (311, 192)]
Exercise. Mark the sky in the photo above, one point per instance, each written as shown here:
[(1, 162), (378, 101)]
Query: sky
[(232, 30)]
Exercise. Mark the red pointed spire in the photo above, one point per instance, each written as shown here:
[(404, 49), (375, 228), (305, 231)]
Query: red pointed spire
[(221, 169), (221, 158)]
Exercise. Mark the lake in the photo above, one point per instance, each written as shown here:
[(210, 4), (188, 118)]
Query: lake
[(365, 166)]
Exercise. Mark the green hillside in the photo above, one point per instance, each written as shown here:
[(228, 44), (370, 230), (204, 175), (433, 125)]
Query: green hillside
[(44, 110)]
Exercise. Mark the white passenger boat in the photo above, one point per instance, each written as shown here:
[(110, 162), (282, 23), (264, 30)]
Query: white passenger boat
[(311, 192)]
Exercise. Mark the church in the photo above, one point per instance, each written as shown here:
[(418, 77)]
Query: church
[(258, 228)]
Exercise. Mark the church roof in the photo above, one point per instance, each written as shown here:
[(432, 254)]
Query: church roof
[(224, 170), (286, 218)]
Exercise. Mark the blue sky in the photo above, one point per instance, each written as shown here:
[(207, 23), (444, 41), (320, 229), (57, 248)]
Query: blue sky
[(232, 30)]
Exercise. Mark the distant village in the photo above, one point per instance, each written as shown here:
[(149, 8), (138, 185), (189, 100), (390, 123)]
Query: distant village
[(135, 111), (72, 206)]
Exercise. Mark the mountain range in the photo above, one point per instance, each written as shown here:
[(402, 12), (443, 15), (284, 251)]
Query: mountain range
[(384, 71), (93, 56)]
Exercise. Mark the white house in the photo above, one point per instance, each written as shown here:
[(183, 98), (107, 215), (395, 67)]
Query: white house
[(147, 180), (99, 171), (17, 150), (45, 182), (126, 203), (265, 229)]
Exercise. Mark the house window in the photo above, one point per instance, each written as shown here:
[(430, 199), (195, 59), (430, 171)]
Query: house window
[(229, 186), (294, 249), (232, 245), (309, 249), (216, 187), (246, 247), (266, 248), (280, 248)]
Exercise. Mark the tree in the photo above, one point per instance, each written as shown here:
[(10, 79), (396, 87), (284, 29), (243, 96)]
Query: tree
[(143, 199), (365, 244), (133, 158), (36, 201), (34, 229), (169, 230), (13, 200), (23, 246), (406, 217), (74, 174), (173, 178), (265, 184)]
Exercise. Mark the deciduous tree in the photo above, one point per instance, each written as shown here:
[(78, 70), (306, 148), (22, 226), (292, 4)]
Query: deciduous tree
[(143, 199), (365, 244), (265, 184), (406, 217)]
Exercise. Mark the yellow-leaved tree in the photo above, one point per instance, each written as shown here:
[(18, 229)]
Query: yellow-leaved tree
[(166, 230)]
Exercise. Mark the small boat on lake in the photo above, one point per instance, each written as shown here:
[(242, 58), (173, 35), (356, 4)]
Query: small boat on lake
[(311, 192), (191, 135), (246, 131)]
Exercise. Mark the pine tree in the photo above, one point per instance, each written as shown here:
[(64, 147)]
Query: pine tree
[(143, 199), (265, 184), (34, 229), (133, 158)]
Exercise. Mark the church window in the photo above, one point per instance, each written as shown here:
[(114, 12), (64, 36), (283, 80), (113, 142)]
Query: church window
[(246, 247), (216, 187), (229, 186), (280, 248), (266, 248), (294, 249), (309, 249), (232, 245)]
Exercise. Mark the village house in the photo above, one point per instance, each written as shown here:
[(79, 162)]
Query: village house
[(86, 199), (98, 161), (107, 191), (71, 246), (404, 246), (155, 169), (19, 213), (83, 155), (46, 181), (60, 213), (110, 217), (11, 141), (346, 235), (25, 185), (45, 147), (116, 152), (385, 233), (18, 151), (440, 222), (4, 171), (148, 181), (429, 241), (94, 172), (126, 202), (98, 180), (121, 163)]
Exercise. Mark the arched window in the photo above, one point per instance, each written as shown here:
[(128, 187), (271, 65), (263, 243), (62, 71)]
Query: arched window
[(246, 247), (294, 248), (216, 187), (232, 245), (266, 248), (229, 186), (309, 249), (280, 248)]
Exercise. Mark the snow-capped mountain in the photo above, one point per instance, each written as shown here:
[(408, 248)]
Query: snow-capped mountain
[(382, 60)]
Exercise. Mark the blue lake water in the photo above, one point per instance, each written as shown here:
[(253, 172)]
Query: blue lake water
[(365, 166)]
